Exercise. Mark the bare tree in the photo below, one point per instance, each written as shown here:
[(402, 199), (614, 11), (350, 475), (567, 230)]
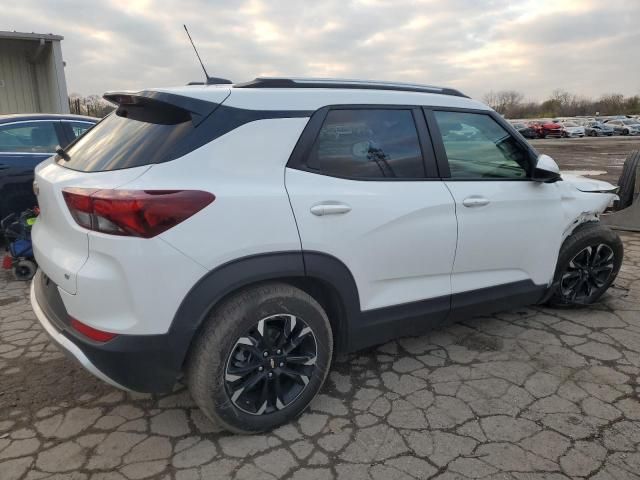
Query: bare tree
[(504, 101), (561, 103), (92, 105)]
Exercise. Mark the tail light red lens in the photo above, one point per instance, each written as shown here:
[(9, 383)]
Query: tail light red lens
[(136, 213), (90, 332)]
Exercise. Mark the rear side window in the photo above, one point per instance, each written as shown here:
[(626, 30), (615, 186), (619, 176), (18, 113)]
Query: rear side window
[(368, 143), (478, 147), (131, 136), (28, 137)]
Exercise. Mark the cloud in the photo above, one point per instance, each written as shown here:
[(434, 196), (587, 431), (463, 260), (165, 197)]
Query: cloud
[(533, 46)]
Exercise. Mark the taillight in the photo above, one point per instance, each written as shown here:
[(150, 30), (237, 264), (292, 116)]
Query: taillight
[(90, 332), (136, 213)]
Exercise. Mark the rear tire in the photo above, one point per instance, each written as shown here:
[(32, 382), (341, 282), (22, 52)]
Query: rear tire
[(589, 261), (235, 373)]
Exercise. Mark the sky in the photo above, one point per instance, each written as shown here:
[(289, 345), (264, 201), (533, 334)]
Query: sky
[(588, 47)]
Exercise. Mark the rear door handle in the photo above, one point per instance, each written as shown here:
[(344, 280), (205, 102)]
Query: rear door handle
[(475, 201), (3, 166), (321, 209)]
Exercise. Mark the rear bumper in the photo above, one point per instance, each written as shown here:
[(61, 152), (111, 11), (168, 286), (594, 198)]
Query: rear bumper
[(142, 363), (65, 343)]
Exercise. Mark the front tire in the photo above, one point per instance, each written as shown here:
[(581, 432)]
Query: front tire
[(589, 261), (627, 180), (261, 357)]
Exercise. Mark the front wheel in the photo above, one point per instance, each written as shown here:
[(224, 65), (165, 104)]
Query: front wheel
[(261, 358), (588, 264)]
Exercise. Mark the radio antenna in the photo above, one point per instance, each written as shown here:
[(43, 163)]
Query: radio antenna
[(208, 80), (206, 75)]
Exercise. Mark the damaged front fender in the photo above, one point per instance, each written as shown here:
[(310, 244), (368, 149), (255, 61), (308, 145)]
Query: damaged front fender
[(584, 199)]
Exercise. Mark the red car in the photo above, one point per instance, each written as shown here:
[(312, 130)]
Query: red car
[(547, 129)]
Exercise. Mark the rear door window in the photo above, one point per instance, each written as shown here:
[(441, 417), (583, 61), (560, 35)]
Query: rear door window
[(29, 137), (368, 144)]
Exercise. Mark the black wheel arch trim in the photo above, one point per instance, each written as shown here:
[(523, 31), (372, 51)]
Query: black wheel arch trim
[(234, 275)]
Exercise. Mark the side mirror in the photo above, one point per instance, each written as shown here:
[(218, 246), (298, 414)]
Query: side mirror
[(546, 170)]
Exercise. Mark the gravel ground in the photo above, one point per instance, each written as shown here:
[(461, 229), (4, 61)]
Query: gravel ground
[(527, 394)]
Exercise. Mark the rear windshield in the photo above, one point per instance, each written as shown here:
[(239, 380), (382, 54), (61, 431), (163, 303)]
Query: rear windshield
[(132, 136)]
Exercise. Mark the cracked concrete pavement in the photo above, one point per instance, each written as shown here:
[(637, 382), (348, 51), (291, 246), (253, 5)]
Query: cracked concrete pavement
[(527, 394)]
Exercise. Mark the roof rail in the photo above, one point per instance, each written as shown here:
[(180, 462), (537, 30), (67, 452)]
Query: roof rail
[(281, 82)]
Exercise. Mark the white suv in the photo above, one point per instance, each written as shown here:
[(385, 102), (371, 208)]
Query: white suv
[(242, 234)]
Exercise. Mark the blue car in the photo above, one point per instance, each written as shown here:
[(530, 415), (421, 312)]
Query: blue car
[(25, 141)]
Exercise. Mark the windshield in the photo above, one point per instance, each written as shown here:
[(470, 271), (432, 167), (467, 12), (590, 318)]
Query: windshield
[(570, 124)]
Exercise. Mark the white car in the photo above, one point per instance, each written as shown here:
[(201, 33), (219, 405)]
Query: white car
[(627, 126), (230, 234), (572, 129)]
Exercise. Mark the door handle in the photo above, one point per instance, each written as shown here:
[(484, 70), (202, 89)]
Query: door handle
[(475, 202), (321, 209), (3, 166)]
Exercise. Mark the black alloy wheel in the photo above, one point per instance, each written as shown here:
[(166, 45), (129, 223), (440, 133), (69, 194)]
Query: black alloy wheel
[(271, 364), (587, 272)]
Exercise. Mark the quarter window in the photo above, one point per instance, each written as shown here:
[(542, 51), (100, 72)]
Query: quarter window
[(478, 147), (28, 137), (368, 143)]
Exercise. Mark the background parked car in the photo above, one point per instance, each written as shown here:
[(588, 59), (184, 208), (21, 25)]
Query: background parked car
[(525, 130), (537, 127), (625, 127), (25, 141), (572, 129), (596, 129), (551, 129)]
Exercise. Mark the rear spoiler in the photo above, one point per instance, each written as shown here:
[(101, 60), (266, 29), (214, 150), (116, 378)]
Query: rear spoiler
[(196, 108)]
